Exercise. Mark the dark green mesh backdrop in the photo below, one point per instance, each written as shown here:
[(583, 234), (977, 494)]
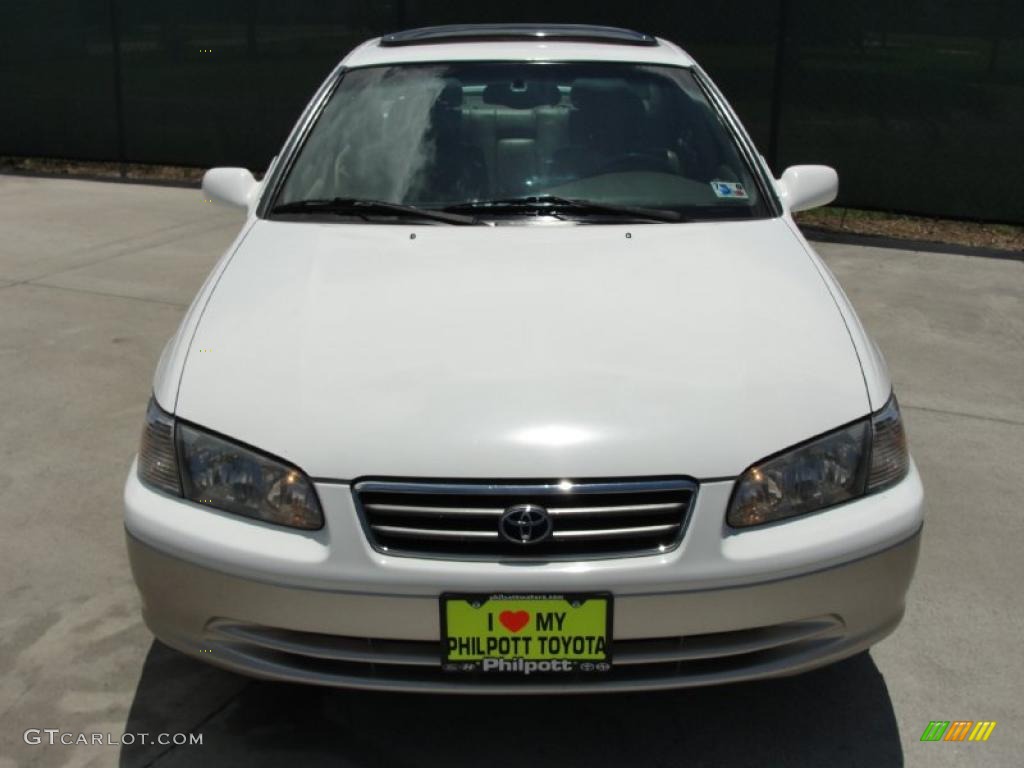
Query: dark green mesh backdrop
[(919, 103)]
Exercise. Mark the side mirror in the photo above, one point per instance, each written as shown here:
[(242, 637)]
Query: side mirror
[(807, 186), (232, 186)]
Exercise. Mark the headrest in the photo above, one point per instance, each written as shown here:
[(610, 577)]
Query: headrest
[(522, 94), (450, 96), (603, 95)]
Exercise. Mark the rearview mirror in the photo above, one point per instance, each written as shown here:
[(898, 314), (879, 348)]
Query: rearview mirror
[(807, 186), (232, 186)]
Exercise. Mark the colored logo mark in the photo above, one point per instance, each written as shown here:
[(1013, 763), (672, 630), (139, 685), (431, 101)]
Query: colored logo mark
[(958, 730)]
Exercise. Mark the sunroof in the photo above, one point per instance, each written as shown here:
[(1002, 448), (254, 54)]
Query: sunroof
[(471, 32)]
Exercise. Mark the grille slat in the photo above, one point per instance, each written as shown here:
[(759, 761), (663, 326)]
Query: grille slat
[(406, 509), (615, 532), (432, 533), (637, 509), (589, 519)]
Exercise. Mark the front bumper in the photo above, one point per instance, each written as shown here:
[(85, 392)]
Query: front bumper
[(349, 639), (324, 608)]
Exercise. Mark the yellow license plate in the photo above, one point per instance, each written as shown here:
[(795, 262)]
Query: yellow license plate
[(526, 634)]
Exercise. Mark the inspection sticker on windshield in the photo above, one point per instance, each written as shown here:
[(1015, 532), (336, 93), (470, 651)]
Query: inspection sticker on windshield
[(729, 189), (526, 634)]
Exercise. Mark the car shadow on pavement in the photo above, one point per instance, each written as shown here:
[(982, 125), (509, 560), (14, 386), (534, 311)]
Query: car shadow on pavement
[(837, 716)]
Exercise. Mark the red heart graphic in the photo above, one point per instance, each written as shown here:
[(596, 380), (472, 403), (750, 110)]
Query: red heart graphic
[(514, 620)]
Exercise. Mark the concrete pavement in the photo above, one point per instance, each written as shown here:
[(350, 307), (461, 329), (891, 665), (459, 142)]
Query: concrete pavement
[(94, 277)]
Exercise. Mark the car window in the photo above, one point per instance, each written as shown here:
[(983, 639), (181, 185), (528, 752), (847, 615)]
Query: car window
[(434, 135)]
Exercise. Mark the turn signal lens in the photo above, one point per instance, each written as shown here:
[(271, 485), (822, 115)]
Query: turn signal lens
[(890, 458), (158, 463)]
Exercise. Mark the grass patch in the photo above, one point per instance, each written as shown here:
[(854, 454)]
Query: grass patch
[(103, 170), (1006, 237)]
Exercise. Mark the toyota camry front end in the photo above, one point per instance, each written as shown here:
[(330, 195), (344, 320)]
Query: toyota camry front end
[(519, 377)]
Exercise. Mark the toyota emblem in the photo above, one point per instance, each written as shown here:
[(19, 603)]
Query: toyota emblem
[(525, 524)]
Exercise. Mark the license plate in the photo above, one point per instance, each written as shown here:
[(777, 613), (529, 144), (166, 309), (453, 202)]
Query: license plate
[(526, 634)]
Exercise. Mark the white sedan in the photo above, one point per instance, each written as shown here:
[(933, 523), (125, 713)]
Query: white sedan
[(520, 377)]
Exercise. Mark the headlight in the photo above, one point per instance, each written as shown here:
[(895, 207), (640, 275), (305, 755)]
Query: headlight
[(217, 472), (864, 457)]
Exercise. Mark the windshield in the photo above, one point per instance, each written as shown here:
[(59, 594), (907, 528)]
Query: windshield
[(468, 135)]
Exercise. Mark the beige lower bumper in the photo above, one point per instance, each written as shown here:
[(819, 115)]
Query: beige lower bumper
[(669, 639)]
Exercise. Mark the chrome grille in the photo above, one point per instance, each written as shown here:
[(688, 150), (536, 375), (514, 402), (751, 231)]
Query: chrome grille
[(588, 519)]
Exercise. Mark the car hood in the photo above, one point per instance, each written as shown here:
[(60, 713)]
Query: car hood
[(521, 351)]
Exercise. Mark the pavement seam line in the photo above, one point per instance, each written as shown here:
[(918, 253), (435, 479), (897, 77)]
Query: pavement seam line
[(103, 293), (163, 240), (224, 705), (962, 414), (129, 238)]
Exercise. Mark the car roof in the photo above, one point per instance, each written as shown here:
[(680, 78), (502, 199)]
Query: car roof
[(469, 32), (517, 42)]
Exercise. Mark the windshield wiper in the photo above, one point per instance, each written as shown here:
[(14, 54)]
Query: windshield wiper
[(352, 206), (543, 204)]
